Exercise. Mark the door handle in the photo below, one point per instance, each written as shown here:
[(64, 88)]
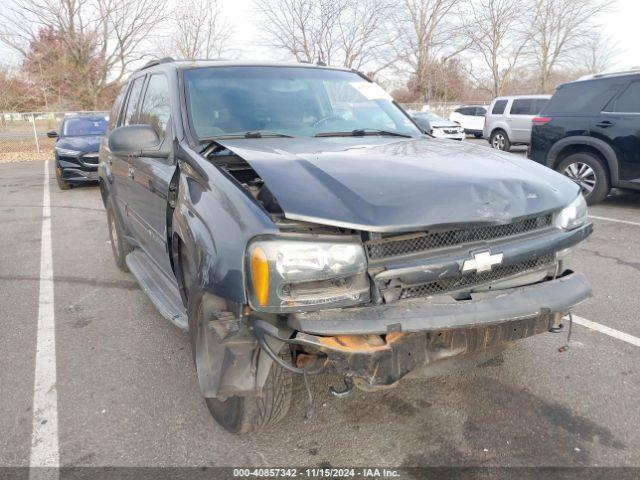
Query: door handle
[(605, 124)]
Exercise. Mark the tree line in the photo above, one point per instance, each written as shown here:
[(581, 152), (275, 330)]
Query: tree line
[(74, 54)]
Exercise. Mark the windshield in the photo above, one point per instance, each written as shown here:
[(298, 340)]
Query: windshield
[(295, 101), (80, 126)]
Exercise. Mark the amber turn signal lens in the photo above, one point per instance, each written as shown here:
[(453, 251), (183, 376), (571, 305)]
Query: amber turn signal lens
[(260, 276)]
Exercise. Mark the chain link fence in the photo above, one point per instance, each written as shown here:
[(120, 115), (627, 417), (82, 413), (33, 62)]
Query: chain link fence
[(23, 136)]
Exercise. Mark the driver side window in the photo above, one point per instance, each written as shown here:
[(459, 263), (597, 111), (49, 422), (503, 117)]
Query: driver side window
[(156, 109)]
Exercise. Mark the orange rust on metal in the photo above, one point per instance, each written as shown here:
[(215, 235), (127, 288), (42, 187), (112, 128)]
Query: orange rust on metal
[(394, 337), (353, 343)]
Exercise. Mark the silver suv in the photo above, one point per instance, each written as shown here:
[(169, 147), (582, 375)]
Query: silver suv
[(508, 120)]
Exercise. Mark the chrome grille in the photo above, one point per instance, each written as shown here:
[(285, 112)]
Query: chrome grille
[(475, 279), (424, 241)]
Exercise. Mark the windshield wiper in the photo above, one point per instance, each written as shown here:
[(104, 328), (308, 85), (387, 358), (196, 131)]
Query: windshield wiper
[(361, 132), (250, 134)]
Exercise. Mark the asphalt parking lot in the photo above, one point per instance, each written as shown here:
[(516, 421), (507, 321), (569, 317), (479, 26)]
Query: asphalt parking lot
[(127, 394)]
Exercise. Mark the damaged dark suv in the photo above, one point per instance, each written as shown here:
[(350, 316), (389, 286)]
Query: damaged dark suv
[(295, 220)]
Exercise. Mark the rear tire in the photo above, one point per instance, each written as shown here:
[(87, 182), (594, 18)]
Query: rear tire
[(62, 184), (119, 245), (588, 171), (235, 414), (477, 135), (500, 140)]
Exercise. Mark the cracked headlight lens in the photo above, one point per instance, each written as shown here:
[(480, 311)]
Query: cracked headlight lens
[(291, 275), (573, 215)]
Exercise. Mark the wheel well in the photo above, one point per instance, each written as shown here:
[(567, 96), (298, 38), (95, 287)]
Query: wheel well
[(498, 129), (572, 149)]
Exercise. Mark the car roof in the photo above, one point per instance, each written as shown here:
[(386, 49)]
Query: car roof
[(515, 97), (630, 74), (181, 64)]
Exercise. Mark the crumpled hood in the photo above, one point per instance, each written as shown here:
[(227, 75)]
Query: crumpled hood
[(387, 184)]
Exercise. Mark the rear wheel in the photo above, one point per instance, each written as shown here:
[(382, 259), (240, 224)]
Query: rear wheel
[(477, 135), (119, 245), (62, 184), (235, 414), (589, 173), (500, 140)]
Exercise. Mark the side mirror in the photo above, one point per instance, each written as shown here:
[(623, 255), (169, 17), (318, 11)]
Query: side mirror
[(52, 134), (136, 141)]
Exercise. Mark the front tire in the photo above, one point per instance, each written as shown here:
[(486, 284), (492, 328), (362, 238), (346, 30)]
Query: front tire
[(500, 140), (477, 135), (235, 414), (588, 171), (62, 184), (119, 245)]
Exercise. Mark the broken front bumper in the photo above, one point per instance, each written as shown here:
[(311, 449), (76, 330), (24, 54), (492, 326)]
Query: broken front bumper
[(378, 345)]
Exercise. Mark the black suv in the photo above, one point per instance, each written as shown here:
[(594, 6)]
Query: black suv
[(76, 149), (590, 131), (295, 220)]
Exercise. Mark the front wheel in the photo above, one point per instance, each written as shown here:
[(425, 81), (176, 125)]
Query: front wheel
[(500, 140), (589, 173), (62, 184), (477, 135), (236, 414), (119, 245)]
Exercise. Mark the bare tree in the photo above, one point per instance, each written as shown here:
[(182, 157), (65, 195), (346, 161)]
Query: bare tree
[(347, 32), (499, 37), (200, 30), (428, 33), (103, 36), (596, 54), (559, 28)]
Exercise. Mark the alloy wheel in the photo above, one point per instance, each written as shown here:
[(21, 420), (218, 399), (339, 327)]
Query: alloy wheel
[(583, 175), (498, 141)]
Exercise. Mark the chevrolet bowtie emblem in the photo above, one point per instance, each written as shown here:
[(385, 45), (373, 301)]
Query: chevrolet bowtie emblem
[(482, 262)]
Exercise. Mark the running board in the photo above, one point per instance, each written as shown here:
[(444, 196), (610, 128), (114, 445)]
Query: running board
[(162, 291)]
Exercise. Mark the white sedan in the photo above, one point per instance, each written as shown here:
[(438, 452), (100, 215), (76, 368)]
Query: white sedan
[(437, 126), (471, 118)]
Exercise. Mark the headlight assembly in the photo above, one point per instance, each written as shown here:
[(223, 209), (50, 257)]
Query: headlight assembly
[(292, 275), (573, 215), (65, 152)]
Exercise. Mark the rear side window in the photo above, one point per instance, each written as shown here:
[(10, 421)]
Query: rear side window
[(582, 97), (628, 101), (522, 106), (539, 104), (498, 107), (155, 109), (130, 114), (480, 112)]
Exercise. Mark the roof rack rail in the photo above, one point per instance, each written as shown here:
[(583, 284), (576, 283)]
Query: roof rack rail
[(158, 61), (610, 74)]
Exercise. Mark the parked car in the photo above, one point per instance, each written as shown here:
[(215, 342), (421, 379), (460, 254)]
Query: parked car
[(590, 132), (508, 120), (290, 240), (437, 126), (470, 118), (76, 149)]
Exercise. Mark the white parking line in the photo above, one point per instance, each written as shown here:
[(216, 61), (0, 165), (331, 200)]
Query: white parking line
[(606, 219), (625, 337), (44, 436)]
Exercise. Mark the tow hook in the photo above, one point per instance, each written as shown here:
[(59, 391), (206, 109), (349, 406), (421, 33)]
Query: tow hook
[(347, 391)]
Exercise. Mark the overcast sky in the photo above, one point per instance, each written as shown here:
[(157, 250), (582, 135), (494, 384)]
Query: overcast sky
[(621, 25)]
